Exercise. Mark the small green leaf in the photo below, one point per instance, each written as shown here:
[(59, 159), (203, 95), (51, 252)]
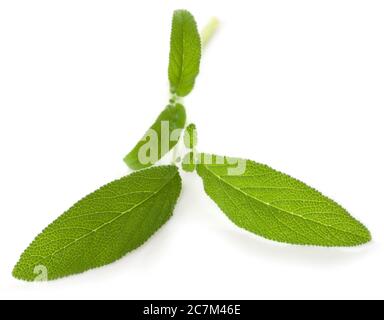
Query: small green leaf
[(104, 226), (276, 206), (161, 138), (190, 136), (189, 163), (185, 53)]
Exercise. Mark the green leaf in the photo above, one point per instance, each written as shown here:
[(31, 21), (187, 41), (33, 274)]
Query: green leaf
[(276, 206), (190, 136), (161, 138), (104, 226), (185, 54)]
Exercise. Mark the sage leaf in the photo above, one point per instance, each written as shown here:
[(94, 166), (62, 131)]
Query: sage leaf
[(104, 226), (185, 53), (277, 207), (160, 138)]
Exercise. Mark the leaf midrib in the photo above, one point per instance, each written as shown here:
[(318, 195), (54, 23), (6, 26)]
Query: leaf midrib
[(181, 74), (112, 220), (279, 209)]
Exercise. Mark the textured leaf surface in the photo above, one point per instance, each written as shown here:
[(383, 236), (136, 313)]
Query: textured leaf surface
[(278, 207), (185, 54), (105, 225), (175, 116)]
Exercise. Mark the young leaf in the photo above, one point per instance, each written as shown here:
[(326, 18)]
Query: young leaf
[(103, 226), (276, 206), (185, 54), (190, 136), (161, 138)]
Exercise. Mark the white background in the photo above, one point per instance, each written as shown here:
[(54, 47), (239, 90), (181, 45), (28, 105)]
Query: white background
[(294, 84)]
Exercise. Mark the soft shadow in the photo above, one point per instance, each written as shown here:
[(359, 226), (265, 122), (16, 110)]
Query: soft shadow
[(314, 256)]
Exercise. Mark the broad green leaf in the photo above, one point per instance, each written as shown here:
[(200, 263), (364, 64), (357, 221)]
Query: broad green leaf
[(190, 136), (185, 53), (104, 226), (161, 138), (276, 206)]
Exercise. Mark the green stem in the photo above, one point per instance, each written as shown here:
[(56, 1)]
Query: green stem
[(209, 31)]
